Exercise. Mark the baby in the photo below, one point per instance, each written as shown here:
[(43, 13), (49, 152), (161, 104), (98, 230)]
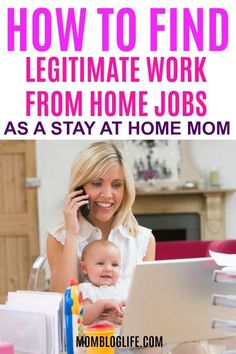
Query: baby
[(101, 263)]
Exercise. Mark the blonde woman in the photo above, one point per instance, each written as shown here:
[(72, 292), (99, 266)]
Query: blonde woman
[(101, 179)]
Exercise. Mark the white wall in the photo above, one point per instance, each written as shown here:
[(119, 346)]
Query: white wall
[(219, 155), (54, 159)]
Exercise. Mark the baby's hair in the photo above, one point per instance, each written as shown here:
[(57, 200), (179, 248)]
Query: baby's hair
[(96, 243)]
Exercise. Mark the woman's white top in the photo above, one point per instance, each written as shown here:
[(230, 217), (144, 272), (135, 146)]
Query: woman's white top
[(133, 248), (94, 293)]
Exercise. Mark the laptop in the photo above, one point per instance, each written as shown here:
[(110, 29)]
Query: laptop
[(173, 299)]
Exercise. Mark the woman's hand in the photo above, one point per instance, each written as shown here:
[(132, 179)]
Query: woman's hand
[(112, 315), (114, 312), (114, 306), (73, 202), (110, 310)]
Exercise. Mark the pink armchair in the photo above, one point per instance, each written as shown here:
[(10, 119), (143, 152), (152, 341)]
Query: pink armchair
[(192, 249)]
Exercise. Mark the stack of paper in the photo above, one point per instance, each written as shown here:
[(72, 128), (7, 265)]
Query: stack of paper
[(224, 260), (33, 322), (227, 274)]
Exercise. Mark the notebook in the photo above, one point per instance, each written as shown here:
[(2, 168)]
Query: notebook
[(173, 299)]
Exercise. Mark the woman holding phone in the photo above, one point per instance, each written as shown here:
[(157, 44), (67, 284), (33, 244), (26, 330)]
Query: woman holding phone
[(98, 206)]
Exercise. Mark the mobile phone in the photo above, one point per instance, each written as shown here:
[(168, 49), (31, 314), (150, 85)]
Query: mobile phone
[(85, 209)]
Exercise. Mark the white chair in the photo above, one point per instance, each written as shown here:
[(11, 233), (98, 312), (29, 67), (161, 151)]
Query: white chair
[(38, 278)]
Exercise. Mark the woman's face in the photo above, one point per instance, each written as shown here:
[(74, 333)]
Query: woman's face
[(105, 194)]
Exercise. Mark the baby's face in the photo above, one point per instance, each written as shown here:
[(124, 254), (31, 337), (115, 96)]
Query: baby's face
[(103, 265)]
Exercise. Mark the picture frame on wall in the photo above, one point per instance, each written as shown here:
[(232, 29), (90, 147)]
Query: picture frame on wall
[(161, 164)]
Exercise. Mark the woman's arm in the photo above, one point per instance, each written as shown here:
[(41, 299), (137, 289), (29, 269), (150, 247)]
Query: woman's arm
[(63, 260), (92, 311), (151, 249)]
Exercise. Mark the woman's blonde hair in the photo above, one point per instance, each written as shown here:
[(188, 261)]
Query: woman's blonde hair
[(92, 163)]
